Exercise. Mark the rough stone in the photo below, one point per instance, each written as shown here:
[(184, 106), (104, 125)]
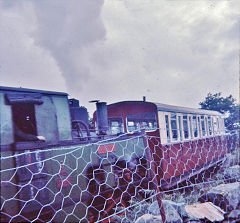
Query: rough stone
[(225, 196), (148, 218), (171, 210), (217, 199), (228, 161), (154, 208), (180, 207), (235, 214), (232, 172), (193, 221), (205, 210)]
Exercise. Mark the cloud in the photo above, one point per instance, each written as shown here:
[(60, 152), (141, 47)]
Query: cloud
[(22, 62), (179, 51), (170, 51), (65, 30)]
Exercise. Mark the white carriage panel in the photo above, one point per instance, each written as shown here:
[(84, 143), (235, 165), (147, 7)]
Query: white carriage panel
[(215, 126), (199, 127), (162, 127), (206, 125), (190, 126), (222, 125), (218, 125), (180, 126)]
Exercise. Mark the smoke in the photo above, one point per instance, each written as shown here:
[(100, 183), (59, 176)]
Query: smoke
[(66, 29), (121, 50)]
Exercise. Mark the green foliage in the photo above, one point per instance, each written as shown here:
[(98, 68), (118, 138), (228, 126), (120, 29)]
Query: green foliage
[(224, 105), (232, 122), (218, 103)]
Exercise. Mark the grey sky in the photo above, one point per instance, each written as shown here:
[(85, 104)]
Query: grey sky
[(172, 52)]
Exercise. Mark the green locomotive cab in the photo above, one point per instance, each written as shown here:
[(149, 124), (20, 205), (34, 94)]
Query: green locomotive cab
[(53, 167)]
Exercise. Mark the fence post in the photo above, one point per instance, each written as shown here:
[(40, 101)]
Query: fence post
[(152, 167)]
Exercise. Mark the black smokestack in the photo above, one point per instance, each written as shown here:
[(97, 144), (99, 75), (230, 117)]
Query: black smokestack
[(102, 117)]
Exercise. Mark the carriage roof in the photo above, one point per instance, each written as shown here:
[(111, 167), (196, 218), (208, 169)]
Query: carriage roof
[(172, 108), (26, 90)]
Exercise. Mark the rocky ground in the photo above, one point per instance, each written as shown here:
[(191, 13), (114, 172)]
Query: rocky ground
[(220, 186)]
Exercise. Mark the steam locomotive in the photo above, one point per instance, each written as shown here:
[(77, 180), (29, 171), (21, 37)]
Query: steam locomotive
[(81, 175)]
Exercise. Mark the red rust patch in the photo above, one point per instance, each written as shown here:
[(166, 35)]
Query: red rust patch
[(106, 148)]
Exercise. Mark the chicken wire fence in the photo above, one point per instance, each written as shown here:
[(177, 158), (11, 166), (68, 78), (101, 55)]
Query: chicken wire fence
[(109, 181)]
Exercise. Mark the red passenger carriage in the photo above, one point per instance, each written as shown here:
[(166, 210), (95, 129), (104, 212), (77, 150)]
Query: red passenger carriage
[(183, 141)]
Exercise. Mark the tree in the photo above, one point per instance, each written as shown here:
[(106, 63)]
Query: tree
[(232, 121), (223, 105)]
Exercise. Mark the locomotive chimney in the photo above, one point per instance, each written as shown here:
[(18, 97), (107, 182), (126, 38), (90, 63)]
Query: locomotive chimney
[(144, 98), (102, 116)]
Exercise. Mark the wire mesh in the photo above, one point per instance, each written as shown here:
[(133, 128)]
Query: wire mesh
[(113, 180)]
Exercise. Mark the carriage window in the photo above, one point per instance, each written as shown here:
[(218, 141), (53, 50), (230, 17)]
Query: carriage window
[(144, 125), (195, 127), (180, 127), (154, 125), (136, 122), (203, 125), (209, 125), (138, 126), (116, 126), (131, 126), (174, 127), (185, 127), (150, 125), (167, 128)]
